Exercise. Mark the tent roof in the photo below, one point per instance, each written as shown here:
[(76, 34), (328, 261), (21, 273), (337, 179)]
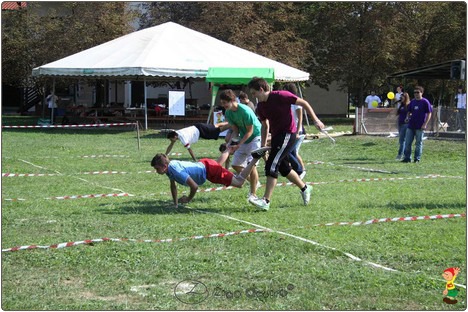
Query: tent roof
[(166, 50), (235, 76)]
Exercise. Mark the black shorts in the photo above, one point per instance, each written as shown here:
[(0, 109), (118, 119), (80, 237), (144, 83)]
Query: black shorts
[(207, 131), (278, 160)]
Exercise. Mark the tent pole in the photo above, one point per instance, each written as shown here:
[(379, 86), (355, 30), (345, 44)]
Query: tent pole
[(145, 106), (214, 93), (53, 102), (304, 113), (44, 101)]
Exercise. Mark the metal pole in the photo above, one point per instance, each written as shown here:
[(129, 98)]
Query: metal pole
[(146, 106), (304, 113), (138, 133), (53, 102), (356, 120)]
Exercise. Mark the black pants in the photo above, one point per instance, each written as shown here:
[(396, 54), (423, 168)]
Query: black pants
[(208, 131), (278, 160)]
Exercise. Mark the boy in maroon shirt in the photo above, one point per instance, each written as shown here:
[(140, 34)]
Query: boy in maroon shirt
[(274, 112)]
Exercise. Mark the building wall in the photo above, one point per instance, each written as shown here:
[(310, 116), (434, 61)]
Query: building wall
[(333, 102)]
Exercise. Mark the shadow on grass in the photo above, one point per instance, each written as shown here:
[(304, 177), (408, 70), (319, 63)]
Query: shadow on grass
[(400, 206), (363, 160), (367, 144), (153, 206), (164, 207), (155, 136)]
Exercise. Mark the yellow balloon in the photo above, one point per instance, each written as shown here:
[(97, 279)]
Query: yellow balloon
[(375, 104), (391, 95)]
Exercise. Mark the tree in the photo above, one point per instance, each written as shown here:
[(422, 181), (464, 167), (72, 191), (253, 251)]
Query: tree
[(265, 28), (42, 33), (360, 43)]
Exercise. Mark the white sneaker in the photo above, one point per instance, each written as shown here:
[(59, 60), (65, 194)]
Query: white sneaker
[(251, 197), (260, 204), (306, 195), (302, 175)]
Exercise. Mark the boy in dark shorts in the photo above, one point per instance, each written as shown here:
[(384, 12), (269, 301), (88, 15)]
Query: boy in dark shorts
[(194, 174), (274, 112)]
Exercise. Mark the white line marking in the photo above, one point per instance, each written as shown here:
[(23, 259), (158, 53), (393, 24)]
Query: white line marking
[(313, 243)]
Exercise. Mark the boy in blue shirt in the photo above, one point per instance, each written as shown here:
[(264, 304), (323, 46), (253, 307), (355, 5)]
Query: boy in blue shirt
[(194, 174)]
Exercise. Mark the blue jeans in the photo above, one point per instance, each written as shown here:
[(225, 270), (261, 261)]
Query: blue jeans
[(294, 162), (402, 136), (410, 135)]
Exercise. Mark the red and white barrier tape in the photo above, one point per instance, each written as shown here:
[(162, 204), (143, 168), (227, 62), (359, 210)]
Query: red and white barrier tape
[(99, 240), (315, 162), (11, 175), (101, 156), (72, 126), (222, 188), (91, 196), (77, 196), (373, 180), (414, 218), (104, 172)]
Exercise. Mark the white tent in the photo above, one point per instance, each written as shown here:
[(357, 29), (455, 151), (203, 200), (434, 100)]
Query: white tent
[(166, 50)]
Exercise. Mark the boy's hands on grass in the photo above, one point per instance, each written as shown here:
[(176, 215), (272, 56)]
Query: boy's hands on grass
[(184, 200)]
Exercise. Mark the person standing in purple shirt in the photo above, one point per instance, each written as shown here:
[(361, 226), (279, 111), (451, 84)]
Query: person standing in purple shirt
[(402, 113), (419, 114), (274, 112)]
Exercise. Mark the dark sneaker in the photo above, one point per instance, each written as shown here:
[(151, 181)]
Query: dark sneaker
[(406, 160), (222, 147), (416, 161), (260, 152)]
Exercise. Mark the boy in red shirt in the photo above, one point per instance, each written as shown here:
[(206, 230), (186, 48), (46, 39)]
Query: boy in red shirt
[(274, 112)]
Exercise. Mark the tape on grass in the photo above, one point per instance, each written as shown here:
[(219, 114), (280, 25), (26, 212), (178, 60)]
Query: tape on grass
[(91, 196), (12, 175), (223, 188), (101, 240), (77, 196), (381, 220), (103, 156), (72, 126), (432, 176), (347, 254)]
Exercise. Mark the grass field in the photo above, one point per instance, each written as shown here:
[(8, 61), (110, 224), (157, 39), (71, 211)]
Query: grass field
[(294, 265)]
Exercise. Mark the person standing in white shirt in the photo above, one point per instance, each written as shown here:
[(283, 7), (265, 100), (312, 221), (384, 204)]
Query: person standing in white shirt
[(371, 99), (460, 98)]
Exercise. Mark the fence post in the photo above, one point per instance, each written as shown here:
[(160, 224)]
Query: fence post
[(137, 124)]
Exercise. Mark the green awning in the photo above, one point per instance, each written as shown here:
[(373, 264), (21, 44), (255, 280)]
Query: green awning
[(238, 75)]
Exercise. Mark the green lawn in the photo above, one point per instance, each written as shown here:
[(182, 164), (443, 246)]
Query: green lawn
[(295, 266)]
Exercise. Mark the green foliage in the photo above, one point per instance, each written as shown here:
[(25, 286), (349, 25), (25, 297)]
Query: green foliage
[(285, 273), (357, 44), (42, 33)]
